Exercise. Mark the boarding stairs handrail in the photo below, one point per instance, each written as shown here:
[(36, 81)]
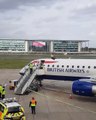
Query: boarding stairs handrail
[(29, 82), (32, 79), (21, 82)]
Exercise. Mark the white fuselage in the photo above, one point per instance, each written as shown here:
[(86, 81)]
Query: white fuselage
[(81, 71), (68, 69)]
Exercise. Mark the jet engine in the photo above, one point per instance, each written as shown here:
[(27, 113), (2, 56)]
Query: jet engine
[(84, 88)]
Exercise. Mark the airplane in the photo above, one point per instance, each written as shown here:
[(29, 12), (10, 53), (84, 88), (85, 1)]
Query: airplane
[(81, 71)]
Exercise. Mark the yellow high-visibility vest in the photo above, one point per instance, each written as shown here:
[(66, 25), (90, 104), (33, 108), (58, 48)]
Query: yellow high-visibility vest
[(3, 92), (33, 103), (1, 88), (31, 65)]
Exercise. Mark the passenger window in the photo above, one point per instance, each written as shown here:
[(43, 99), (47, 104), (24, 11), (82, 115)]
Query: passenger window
[(67, 66), (57, 65), (72, 66), (94, 67), (83, 66), (62, 65), (89, 67), (48, 65), (77, 66), (52, 65)]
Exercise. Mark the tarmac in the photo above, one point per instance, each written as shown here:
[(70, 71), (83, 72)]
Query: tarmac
[(54, 100)]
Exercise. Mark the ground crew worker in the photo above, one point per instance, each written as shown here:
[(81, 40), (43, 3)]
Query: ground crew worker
[(31, 67), (33, 104), (3, 92), (1, 88), (1, 116)]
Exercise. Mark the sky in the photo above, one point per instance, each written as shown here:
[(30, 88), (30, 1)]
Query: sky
[(49, 19)]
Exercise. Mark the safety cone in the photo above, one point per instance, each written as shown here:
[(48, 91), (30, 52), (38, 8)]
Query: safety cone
[(70, 96)]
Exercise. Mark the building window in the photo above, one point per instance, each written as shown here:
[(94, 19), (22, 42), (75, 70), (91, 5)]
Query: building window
[(12, 45), (65, 46)]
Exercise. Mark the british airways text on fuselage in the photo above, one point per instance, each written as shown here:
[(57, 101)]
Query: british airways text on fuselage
[(67, 70)]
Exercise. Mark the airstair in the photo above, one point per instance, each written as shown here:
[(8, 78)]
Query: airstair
[(27, 81)]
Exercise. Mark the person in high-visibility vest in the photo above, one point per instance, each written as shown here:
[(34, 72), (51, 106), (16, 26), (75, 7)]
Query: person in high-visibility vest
[(33, 104), (1, 88), (3, 93), (1, 115), (31, 67)]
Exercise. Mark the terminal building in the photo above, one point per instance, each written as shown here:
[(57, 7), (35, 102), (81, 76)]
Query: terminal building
[(23, 45)]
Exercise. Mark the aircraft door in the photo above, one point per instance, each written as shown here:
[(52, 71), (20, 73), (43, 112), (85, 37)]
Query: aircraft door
[(42, 64)]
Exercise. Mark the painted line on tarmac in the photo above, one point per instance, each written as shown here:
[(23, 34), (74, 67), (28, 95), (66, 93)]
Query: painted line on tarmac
[(55, 90), (76, 106), (66, 103)]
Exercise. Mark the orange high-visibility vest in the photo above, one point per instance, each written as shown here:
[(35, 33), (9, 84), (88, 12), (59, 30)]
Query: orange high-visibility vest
[(33, 103), (1, 116)]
